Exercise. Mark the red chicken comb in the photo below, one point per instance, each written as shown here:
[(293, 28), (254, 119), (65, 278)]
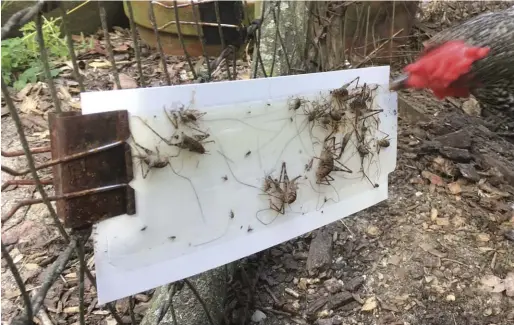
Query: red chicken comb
[(441, 66)]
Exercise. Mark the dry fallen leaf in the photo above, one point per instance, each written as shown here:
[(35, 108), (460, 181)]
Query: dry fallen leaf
[(454, 188), (29, 105), (71, 310), (509, 284), (373, 231), (100, 64), (483, 237), (433, 178), (369, 304), (445, 166), (492, 283), (442, 221), (121, 48), (126, 82), (433, 214)]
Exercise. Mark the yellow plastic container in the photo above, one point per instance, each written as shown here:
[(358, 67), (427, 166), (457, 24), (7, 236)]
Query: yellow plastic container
[(168, 33)]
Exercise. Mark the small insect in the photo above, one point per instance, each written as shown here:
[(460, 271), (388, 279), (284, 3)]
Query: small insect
[(231, 214), (224, 178), (309, 165), (172, 237), (144, 228), (250, 229), (248, 154)]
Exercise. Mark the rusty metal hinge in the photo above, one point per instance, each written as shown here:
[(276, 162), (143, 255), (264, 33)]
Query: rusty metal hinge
[(93, 166)]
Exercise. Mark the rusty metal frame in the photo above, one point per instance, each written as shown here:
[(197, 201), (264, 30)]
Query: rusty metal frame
[(92, 167), (96, 166)]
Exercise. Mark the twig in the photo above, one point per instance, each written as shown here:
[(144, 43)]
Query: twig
[(199, 32), (344, 35), (344, 224), (275, 299), (282, 44), (80, 253), (200, 300), (181, 38), (275, 47), (274, 311), (257, 56), (30, 160), (220, 31), (46, 65), (392, 31), (375, 51), (71, 50), (135, 40), (19, 282), (159, 45), (54, 272), (454, 261), (366, 34), (103, 19)]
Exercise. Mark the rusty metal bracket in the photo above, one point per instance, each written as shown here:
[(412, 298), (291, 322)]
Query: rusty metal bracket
[(95, 166)]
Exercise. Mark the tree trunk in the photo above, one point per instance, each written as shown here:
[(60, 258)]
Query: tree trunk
[(282, 49), (331, 35), (211, 287)]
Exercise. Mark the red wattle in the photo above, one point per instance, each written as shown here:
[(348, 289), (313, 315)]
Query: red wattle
[(441, 66)]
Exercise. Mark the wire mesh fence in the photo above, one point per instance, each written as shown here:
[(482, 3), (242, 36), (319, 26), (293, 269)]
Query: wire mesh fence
[(284, 38)]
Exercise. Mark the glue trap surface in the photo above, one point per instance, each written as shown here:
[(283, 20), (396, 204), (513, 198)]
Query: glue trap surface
[(224, 170)]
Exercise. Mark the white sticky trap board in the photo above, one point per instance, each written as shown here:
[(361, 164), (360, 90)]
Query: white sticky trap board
[(183, 223)]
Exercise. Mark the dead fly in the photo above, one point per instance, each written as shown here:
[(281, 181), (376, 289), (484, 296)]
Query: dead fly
[(329, 160), (231, 215), (248, 154), (188, 117), (309, 165), (224, 178), (150, 158), (281, 191)]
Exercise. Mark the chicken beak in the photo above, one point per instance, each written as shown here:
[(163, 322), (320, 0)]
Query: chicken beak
[(399, 83)]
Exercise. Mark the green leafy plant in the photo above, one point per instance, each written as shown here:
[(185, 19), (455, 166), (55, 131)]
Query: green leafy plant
[(21, 59)]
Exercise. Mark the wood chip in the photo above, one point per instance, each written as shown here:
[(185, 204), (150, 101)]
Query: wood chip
[(71, 310), (369, 304), (292, 292)]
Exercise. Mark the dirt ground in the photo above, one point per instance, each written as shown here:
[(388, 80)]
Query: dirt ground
[(436, 252)]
